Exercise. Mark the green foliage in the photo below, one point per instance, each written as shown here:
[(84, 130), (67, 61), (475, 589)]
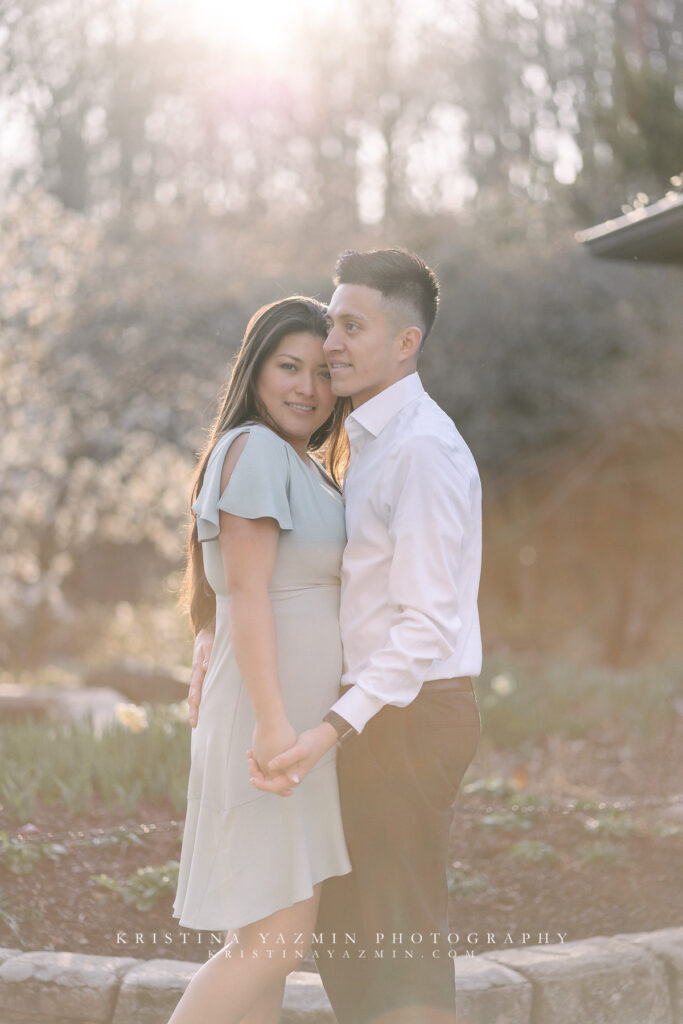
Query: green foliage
[(509, 821), (143, 888), (535, 851), (18, 784), (603, 851), (123, 838), (614, 823), (8, 917), (666, 829), (71, 766), (461, 883), (492, 785), (557, 698), (21, 856)]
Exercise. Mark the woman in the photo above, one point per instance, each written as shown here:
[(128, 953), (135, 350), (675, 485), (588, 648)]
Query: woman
[(264, 557)]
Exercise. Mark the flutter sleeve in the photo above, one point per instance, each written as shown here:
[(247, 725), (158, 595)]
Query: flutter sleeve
[(258, 487)]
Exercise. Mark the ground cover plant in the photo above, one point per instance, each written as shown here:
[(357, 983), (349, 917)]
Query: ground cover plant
[(567, 825)]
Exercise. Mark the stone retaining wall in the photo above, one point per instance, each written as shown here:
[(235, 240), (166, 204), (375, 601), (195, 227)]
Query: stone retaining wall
[(625, 979)]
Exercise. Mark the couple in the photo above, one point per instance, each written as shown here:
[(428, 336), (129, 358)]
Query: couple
[(315, 808)]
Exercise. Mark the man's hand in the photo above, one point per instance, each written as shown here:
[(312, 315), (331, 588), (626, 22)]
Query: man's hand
[(203, 644), (294, 764)]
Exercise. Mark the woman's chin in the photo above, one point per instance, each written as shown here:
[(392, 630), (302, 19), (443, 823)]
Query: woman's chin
[(299, 429)]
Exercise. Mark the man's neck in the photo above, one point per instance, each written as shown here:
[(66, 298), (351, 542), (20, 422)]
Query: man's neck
[(356, 403)]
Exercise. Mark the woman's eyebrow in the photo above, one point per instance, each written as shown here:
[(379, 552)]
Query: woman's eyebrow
[(295, 359)]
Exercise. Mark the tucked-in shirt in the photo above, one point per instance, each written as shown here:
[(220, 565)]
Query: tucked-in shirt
[(411, 566)]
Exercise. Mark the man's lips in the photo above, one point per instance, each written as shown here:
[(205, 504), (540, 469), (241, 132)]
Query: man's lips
[(333, 367)]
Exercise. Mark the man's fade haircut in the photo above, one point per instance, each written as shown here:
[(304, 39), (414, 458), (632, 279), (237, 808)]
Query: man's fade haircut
[(398, 275)]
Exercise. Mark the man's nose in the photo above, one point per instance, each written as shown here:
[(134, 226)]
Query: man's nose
[(331, 343)]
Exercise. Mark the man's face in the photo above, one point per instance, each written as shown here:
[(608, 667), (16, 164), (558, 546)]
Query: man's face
[(363, 345)]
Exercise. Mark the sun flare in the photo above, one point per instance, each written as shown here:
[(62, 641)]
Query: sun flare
[(264, 26)]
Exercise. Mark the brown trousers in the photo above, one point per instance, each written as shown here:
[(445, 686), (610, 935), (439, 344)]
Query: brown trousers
[(384, 928)]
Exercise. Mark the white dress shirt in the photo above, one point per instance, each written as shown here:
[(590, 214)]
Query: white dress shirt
[(411, 567)]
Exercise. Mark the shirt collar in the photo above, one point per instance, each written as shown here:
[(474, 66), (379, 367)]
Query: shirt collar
[(372, 416)]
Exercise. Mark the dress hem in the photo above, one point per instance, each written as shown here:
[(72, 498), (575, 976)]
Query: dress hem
[(261, 916)]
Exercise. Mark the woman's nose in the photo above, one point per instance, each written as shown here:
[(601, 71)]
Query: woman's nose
[(305, 385)]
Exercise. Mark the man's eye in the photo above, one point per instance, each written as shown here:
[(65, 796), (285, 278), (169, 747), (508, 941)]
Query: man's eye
[(351, 326), (326, 374)]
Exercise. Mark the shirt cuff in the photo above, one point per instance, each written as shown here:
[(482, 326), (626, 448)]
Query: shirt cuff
[(357, 707)]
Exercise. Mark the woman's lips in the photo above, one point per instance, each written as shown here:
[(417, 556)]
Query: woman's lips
[(300, 407)]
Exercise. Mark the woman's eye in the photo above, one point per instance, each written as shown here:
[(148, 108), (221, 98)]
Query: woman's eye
[(326, 374), (287, 366)]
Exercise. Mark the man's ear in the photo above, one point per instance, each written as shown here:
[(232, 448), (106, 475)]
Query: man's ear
[(411, 339)]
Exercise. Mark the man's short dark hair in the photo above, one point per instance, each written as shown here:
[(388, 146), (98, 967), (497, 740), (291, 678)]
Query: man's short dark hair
[(398, 275)]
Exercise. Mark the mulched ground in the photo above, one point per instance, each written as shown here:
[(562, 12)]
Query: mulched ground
[(611, 868)]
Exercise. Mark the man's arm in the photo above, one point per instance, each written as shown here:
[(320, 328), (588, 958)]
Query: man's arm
[(433, 497)]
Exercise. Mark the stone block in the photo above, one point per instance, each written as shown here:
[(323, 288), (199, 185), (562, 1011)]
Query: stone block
[(600, 980), (74, 986), (6, 954), (305, 1000), (490, 993), (667, 944), (151, 990), (140, 682)]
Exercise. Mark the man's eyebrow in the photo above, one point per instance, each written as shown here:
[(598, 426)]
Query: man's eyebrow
[(349, 316)]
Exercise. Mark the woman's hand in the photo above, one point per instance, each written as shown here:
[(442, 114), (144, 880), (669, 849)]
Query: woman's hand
[(291, 766), (203, 645), (272, 736)]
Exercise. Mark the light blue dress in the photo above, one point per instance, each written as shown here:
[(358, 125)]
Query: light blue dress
[(245, 853)]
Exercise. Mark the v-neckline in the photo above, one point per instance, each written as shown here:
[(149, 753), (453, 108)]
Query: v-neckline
[(317, 469)]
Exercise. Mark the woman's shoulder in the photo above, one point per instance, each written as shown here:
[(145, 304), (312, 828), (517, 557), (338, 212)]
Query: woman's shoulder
[(259, 440), (253, 484)]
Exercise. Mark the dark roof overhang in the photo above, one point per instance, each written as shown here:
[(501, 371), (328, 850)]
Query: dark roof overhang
[(651, 233)]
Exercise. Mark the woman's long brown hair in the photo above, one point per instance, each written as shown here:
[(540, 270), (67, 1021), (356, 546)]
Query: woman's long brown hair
[(239, 403)]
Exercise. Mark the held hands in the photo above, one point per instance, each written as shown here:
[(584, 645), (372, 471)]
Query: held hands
[(203, 645), (290, 767), (269, 738)]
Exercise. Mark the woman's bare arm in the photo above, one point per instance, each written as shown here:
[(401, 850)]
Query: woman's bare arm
[(249, 549)]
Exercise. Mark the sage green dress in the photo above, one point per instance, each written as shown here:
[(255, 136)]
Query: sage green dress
[(246, 853)]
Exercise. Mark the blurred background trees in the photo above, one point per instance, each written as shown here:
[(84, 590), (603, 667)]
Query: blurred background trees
[(159, 182), (119, 103)]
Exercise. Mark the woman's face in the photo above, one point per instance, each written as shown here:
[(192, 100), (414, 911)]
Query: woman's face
[(294, 388)]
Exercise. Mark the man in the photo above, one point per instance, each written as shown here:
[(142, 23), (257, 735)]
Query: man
[(407, 720)]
